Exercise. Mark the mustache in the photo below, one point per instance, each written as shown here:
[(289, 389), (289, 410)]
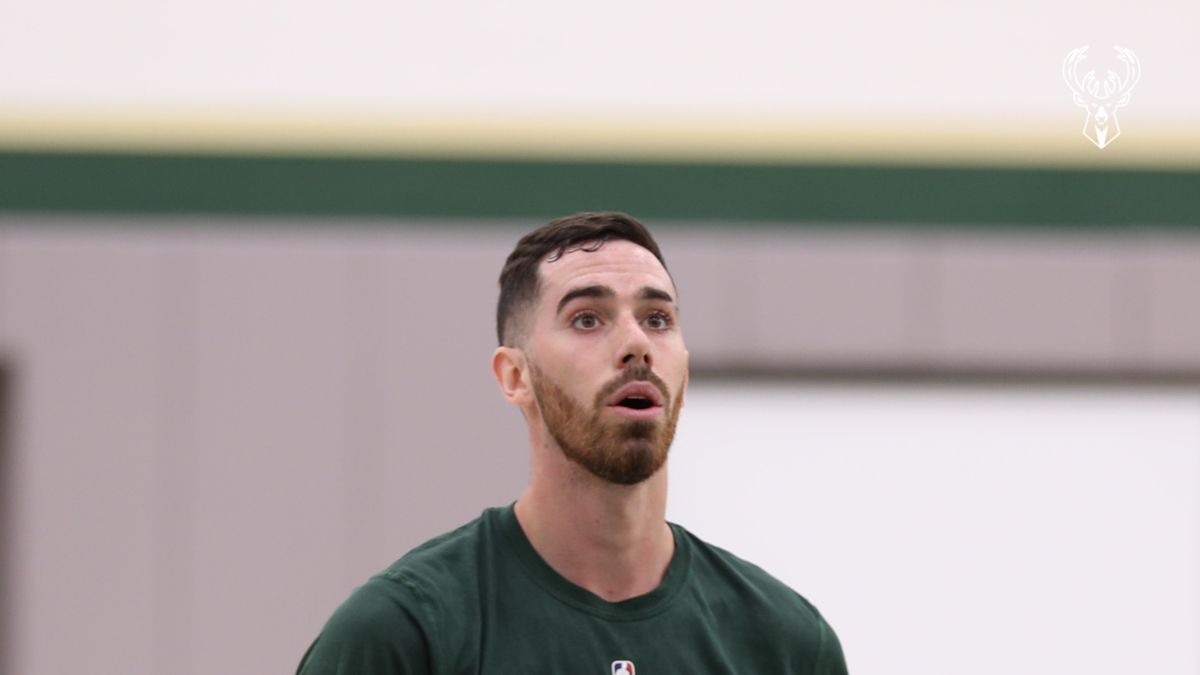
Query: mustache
[(639, 373)]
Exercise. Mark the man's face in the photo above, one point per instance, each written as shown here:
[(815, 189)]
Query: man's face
[(608, 363)]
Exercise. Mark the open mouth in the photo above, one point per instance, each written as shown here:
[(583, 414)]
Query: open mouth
[(635, 403), (637, 400)]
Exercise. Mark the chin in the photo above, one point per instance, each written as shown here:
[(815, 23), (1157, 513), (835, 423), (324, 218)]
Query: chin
[(641, 461)]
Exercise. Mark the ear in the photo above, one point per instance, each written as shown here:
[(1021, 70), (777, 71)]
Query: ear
[(511, 371)]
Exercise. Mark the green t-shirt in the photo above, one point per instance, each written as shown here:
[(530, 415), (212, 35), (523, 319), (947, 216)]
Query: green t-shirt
[(480, 600)]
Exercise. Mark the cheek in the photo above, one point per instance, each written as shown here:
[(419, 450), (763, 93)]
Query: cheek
[(674, 372), (568, 374)]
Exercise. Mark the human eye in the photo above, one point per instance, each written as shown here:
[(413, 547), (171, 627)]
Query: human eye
[(659, 321), (585, 321)]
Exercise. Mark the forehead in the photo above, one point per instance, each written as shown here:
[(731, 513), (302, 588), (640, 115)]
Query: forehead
[(619, 264)]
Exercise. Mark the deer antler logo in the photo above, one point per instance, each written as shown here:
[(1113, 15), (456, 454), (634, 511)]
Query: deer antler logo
[(1101, 98)]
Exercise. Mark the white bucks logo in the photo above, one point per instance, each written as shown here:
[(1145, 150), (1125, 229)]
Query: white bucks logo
[(1101, 97)]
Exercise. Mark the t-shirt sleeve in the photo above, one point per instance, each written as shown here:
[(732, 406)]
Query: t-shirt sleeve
[(379, 630)]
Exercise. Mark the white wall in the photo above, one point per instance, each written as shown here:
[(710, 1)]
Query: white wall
[(946, 530), (873, 59)]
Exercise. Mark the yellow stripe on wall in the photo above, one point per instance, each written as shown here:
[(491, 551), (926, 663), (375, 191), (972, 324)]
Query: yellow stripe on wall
[(767, 139)]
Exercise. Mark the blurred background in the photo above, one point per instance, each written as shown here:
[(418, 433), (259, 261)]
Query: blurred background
[(945, 350)]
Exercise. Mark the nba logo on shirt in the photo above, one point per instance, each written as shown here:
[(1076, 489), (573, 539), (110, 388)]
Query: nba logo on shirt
[(622, 668)]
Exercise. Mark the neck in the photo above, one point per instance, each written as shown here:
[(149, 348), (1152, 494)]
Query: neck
[(612, 540)]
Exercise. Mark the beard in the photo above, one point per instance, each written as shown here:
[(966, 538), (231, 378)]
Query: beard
[(620, 451)]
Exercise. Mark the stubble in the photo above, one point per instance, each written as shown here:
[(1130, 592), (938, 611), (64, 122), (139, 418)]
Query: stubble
[(620, 451)]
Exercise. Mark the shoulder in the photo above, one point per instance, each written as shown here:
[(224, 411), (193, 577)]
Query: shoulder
[(399, 615), (723, 570), (442, 576), (443, 559), (376, 607), (752, 593), (749, 595), (380, 628)]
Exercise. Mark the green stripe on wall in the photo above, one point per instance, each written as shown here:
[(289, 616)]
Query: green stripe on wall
[(472, 188)]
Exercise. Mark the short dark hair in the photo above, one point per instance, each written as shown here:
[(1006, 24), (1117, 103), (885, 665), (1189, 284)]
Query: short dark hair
[(520, 282)]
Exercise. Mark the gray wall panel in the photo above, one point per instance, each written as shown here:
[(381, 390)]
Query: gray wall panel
[(81, 329), (1173, 294), (835, 298), (1028, 302), (447, 427), (272, 340)]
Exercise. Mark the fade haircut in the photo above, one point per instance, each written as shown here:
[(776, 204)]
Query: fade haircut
[(520, 283)]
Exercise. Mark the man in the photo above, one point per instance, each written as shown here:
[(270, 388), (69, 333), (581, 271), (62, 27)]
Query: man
[(582, 574)]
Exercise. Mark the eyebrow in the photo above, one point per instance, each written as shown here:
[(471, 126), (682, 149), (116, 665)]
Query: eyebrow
[(651, 293), (585, 292), (598, 291)]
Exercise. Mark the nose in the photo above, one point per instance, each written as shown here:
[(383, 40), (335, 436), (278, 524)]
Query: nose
[(634, 347), (633, 359)]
